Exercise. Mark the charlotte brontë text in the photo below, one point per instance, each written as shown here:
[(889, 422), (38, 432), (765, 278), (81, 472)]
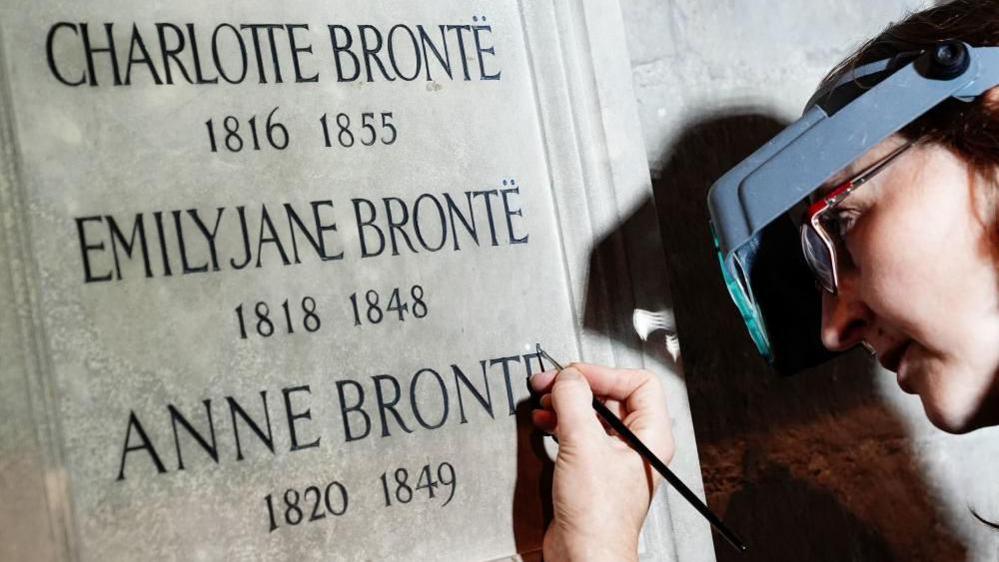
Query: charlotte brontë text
[(174, 53)]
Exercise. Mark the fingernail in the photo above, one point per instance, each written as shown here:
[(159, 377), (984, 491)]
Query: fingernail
[(533, 375), (531, 380), (570, 373)]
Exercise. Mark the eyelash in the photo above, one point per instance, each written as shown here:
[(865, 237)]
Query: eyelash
[(841, 221)]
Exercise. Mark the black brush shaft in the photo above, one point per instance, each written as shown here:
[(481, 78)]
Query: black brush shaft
[(673, 479)]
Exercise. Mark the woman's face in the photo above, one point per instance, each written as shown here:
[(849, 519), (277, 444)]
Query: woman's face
[(920, 282)]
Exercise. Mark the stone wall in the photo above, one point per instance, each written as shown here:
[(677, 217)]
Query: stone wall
[(837, 463)]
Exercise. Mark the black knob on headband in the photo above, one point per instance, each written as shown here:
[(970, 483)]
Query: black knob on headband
[(948, 60)]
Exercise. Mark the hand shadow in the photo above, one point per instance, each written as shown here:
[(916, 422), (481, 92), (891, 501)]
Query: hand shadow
[(532, 497)]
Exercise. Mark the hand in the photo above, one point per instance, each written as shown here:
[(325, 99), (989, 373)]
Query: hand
[(602, 488)]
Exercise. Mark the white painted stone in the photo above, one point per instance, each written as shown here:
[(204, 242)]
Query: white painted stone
[(712, 56)]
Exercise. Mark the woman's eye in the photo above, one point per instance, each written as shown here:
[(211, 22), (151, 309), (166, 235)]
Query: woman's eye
[(838, 225), (841, 221)]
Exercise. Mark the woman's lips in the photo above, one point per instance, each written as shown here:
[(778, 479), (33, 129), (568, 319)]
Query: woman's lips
[(903, 372), (894, 360), (891, 358)]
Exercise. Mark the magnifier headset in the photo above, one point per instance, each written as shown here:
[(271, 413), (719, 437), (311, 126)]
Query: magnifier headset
[(772, 261)]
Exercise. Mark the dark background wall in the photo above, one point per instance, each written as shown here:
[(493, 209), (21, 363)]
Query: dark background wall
[(837, 463)]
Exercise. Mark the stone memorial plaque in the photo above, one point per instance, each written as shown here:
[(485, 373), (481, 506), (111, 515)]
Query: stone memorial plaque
[(274, 274)]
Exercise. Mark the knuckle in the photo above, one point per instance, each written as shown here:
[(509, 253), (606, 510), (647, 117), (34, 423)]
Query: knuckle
[(570, 373), (650, 381), (567, 383)]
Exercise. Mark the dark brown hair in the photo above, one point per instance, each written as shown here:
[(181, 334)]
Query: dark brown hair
[(970, 129)]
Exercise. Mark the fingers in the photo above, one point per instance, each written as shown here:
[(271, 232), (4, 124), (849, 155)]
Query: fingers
[(544, 417), (544, 420), (636, 396), (617, 384), (542, 382), (572, 401), (636, 389), (615, 408)]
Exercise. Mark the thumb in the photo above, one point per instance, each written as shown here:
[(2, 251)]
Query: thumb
[(572, 401)]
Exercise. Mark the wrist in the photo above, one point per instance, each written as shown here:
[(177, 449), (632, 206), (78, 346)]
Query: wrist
[(591, 548)]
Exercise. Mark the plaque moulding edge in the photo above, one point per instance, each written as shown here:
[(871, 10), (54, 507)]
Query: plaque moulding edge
[(599, 180), (35, 476)]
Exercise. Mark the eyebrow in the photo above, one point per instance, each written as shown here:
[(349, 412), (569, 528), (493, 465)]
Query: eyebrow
[(822, 191), (832, 183), (850, 172)]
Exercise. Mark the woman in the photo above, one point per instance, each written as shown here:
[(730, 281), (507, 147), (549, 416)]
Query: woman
[(913, 276)]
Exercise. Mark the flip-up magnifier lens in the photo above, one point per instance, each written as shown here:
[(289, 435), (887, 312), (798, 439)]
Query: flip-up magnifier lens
[(738, 288)]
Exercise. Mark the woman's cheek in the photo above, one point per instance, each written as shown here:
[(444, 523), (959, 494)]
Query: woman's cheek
[(904, 250), (884, 265)]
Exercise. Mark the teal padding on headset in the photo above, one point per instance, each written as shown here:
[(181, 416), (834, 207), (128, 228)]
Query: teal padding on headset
[(750, 313)]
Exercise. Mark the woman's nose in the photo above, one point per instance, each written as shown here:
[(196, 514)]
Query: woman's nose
[(845, 318)]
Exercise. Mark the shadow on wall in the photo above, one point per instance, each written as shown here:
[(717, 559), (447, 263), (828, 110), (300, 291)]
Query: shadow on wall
[(532, 497), (812, 467)]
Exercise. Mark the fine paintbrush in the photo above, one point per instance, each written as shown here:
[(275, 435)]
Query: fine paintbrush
[(659, 465)]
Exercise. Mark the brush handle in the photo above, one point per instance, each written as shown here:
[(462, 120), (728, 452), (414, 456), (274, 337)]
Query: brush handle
[(661, 468)]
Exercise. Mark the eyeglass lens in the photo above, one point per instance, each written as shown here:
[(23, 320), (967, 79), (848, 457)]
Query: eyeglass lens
[(818, 257)]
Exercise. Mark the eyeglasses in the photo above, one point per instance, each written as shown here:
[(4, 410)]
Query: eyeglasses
[(816, 242)]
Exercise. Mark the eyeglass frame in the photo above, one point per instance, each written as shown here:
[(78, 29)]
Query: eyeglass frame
[(835, 197)]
